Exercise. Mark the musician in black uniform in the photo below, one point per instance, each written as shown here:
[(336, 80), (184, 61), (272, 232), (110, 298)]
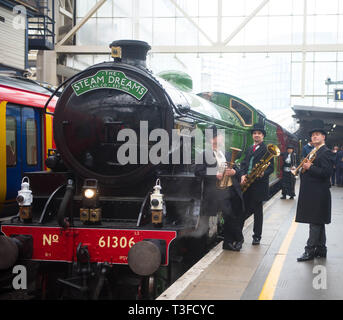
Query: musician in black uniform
[(229, 200), (314, 203), (258, 191), (288, 179)]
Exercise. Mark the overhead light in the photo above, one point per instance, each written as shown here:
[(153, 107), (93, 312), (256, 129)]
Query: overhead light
[(334, 125)]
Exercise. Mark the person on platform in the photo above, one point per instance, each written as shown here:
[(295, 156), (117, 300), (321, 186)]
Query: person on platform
[(333, 178), (288, 179), (229, 200), (307, 149), (258, 191), (314, 202), (339, 168)]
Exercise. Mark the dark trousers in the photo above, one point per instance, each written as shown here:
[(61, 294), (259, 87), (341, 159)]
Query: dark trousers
[(339, 176), (256, 208), (288, 184), (317, 237), (333, 177), (233, 216)]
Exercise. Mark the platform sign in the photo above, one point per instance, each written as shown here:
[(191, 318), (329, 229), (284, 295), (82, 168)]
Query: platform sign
[(338, 94)]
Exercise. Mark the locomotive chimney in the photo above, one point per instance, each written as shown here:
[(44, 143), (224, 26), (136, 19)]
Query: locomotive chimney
[(130, 51)]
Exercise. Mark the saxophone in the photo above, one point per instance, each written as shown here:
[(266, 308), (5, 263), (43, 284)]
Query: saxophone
[(261, 167), (310, 157), (226, 181)]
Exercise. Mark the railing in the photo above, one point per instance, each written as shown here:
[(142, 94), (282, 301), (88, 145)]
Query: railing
[(41, 27)]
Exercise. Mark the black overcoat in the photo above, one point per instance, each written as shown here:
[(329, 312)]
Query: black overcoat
[(314, 201), (212, 195), (259, 189)]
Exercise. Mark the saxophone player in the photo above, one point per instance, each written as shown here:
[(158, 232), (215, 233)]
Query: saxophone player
[(314, 203), (259, 189), (228, 200)]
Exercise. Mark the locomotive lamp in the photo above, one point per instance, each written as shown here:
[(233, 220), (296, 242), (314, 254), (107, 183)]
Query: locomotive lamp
[(90, 211), (24, 200), (156, 205)]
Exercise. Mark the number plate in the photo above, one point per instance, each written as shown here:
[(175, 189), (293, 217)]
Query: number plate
[(104, 245)]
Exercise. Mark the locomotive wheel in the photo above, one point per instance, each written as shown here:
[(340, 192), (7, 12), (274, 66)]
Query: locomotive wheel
[(147, 288), (151, 287)]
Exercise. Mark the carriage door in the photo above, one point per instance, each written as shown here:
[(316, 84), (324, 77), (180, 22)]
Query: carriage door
[(23, 145), (31, 140), (13, 150)]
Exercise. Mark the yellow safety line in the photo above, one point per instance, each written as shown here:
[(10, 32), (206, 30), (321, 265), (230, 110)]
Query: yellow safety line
[(272, 279), (3, 165)]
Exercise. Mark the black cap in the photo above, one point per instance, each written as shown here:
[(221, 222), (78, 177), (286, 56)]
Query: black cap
[(321, 130), (258, 127), (290, 147)]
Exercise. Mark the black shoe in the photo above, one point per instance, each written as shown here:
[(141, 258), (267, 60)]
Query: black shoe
[(229, 246), (291, 198), (306, 256), (238, 244), (256, 241), (283, 197)]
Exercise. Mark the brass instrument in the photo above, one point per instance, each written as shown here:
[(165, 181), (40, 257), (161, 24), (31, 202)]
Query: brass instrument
[(226, 180), (261, 167), (310, 157)]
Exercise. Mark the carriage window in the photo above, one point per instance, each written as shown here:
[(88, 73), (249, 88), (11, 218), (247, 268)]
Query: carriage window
[(31, 142), (243, 112), (11, 141)]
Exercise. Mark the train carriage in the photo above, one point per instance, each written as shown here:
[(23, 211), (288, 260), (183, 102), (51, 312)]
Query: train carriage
[(26, 135)]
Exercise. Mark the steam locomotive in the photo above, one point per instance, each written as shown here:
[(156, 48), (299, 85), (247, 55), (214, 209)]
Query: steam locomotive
[(115, 211)]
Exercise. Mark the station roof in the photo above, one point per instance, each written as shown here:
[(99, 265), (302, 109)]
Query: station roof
[(328, 117)]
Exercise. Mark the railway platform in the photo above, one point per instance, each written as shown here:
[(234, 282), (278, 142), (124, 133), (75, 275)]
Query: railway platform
[(269, 271)]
